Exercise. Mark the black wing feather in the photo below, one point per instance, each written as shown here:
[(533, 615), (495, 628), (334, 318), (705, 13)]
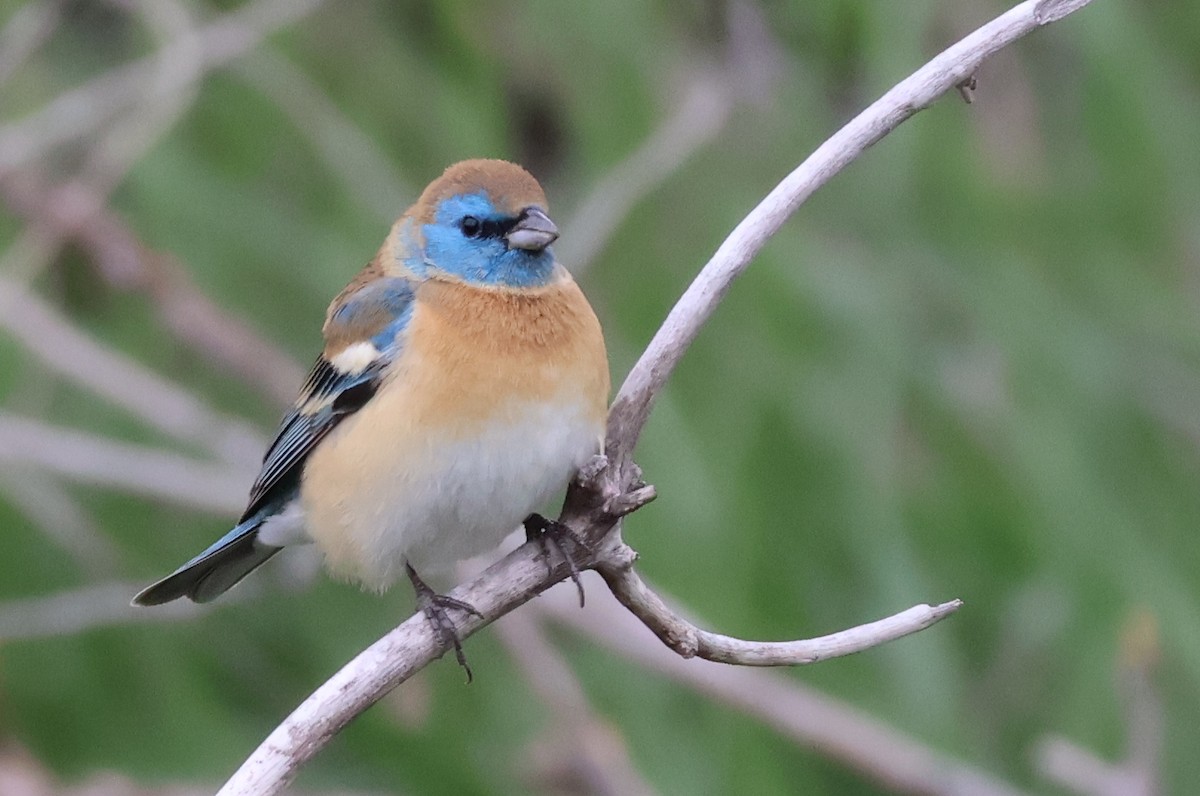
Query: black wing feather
[(338, 396)]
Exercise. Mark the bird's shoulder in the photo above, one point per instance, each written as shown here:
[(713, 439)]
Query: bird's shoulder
[(364, 333), (366, 320)]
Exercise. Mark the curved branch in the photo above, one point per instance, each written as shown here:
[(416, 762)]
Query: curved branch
[(75, 356), (814, 721), (591, 509), (514, 580), (631, 408), (689, 641), (82, 110)]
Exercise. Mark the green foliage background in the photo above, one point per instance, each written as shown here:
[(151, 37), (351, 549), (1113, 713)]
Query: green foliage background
[(969, 367)]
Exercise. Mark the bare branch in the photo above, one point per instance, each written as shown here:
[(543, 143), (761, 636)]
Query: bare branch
[(637, 395), (21, 774), (79, 112), (66, 613), (689, 641), (708, 100), (27, 29), (1065, 763), (521, 575), (813, 720), (74, 211), (1145, 721), (1069, 765), (77, 357), (77, 210), (136, 469), (365, 171), (60, 517), (120, 147), (700, 116), (170, 91), (584, 753), (510, 582)]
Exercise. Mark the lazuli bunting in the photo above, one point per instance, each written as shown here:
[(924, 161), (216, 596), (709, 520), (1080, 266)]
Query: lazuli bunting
[(463, 382)]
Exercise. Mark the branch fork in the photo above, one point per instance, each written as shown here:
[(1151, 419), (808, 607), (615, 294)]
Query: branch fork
[(609, 490)]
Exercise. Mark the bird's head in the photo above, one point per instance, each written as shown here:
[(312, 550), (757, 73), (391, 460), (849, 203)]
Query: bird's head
[(485, 222)]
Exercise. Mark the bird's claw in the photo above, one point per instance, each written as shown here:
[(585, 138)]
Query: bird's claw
[(549, 533), (434, 606)]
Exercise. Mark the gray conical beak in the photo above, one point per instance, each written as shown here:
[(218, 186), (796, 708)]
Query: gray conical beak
[(534, 231)]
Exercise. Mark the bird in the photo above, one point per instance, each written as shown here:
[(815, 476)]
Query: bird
[(463, 382)]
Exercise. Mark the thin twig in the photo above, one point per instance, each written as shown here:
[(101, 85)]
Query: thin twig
[(688, 641), (70, 612), (61, 518), (77, 211), (81, 111), (76, 356), (1082, 771), (699, 117), (813, 720), (365, 171), (584, 753), (1071, 766), (510, 582), (172, 87), (26, 30), (708, 100), (139, 470), (126, 263), (22, 774), (748, 73)]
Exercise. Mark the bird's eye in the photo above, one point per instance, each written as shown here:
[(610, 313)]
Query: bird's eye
[(472, 227)]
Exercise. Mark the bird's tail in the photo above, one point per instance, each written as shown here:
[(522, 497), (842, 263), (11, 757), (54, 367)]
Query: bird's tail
[(212, 573)]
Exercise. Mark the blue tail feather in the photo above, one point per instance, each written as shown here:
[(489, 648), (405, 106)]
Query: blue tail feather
[(210, 574)]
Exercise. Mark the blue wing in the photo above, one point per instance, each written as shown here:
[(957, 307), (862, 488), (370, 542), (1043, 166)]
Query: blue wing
[(374, 312)]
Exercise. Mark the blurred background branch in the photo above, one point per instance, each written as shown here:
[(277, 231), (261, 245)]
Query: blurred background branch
[(966, 369)]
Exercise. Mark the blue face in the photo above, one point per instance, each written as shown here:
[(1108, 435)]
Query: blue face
[(466, 239)]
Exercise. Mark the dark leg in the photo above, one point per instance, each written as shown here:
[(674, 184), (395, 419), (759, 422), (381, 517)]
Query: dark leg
[(434, 606), (550, 533)]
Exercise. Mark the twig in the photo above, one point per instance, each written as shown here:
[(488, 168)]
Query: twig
[(585, 754), (700, 116), (61, 519), (510, 582), (22, 774), (81, 111), (126, 263), (171, 89), (77, 210), (588, 510), (26, 30), (365, 171), (86, 458), (708, 99), (67, 613), (688, 641), (1067, 764), (814, 721), (77, 357)]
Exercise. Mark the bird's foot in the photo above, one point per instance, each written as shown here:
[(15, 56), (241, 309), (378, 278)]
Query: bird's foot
[(434, 606), (549, 534)]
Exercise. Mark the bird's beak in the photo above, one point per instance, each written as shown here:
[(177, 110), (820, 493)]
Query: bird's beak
[(533, 232)]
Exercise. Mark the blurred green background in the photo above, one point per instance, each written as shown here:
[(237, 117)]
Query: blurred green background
[(968, 367)]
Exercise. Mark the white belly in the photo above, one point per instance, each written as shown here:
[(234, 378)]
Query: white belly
[(433, 497)]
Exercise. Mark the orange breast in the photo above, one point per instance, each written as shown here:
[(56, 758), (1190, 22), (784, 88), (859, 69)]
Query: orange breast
[(474, 351)]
